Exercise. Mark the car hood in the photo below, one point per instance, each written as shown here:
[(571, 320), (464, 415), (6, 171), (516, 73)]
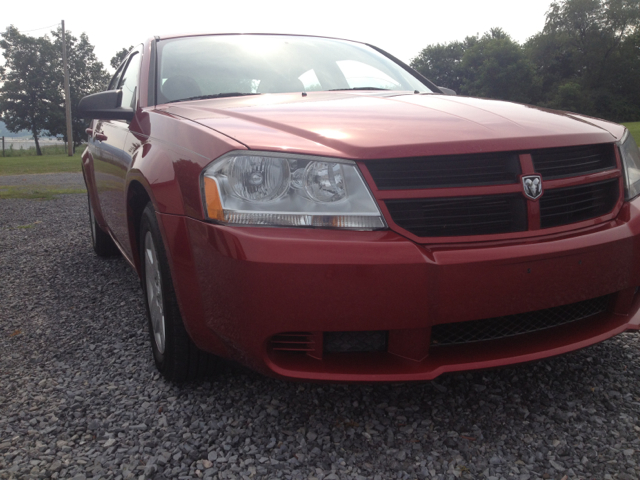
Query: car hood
[(390, 125)]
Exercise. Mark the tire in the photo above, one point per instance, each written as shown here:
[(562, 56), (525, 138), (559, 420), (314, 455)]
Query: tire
[(102, 243), (175, 355)]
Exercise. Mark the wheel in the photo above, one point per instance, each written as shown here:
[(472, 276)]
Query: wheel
[(100, 240), (175, 354)]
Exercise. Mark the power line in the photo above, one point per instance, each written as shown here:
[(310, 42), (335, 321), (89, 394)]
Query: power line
[(41, 28)]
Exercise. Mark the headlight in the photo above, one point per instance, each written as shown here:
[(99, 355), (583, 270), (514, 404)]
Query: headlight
[(631, 162), (264, 188)]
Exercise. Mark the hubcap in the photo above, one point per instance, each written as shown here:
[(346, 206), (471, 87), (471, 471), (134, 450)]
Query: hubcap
[(154, 291)]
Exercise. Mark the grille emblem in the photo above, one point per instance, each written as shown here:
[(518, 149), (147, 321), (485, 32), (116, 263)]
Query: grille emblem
[(532, 185)]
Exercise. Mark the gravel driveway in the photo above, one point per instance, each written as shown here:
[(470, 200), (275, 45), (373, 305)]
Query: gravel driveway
[(62, 180), (80, 397)]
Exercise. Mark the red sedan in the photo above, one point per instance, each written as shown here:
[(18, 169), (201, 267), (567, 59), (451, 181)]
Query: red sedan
[(315, 209)]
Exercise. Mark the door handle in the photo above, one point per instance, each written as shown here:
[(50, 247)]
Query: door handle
[(98, 136)]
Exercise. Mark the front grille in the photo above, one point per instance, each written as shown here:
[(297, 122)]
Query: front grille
[(511, 325), (445, 171), (570, 161), (460, 216), (562, 206), (343, 342), (292, 342)]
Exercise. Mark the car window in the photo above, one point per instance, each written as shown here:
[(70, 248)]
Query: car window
[(249, 64), (129, 81), (113, 84)]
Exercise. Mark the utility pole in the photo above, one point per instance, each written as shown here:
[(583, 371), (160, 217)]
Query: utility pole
[(67, 94)]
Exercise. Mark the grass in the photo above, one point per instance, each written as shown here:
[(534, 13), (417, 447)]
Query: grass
[(37, 192), (634, 129), (43, 164)]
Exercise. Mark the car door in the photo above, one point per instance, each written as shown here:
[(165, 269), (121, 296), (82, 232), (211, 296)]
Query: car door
[(112, 159)]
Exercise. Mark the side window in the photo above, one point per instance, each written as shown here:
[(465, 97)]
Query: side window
[(129, 81), (113, 84)]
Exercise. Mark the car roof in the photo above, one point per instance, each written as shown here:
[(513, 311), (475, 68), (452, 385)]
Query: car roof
[(206, 34)]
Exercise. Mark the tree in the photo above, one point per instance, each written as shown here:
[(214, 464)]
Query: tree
[(492, 66), (86, 76), (495, 66), (119, 57), (442, 64), (30, 91), (587, 57), (32, 95)]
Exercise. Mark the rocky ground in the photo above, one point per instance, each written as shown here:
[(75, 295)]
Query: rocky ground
[(65, 180), (80, 396)]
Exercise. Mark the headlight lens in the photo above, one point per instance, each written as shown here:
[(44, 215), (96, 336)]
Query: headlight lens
[(258, 179), (264, 188), (631, 161)]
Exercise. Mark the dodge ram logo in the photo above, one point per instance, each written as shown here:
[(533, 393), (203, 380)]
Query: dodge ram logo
[(532, 185)]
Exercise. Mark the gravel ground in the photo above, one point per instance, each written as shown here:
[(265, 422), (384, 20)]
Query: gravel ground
[(62, 180), (80, 397)]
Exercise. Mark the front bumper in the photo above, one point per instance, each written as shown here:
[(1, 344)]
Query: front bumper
[(240, 287)]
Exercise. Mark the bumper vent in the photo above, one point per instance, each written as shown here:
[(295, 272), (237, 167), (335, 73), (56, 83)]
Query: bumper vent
[(460, 216), (571, 161), (445, 171), (575, 204), (343, 342), (292, 342), (511, 325)]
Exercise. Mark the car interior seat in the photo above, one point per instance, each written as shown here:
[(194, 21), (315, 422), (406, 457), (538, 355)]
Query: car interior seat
[(179, 87)]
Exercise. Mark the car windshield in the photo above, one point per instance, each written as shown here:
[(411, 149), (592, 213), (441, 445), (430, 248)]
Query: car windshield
[(234, 65)]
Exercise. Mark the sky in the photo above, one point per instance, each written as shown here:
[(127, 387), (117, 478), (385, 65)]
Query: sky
[(402, 28)]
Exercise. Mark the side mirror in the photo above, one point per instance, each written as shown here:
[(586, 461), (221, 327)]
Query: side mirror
[(447, 91), (104, 106)]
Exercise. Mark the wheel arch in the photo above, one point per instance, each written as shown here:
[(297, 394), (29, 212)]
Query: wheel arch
[(137, 200)]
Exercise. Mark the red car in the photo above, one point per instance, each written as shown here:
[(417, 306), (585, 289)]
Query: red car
[(315, 209)]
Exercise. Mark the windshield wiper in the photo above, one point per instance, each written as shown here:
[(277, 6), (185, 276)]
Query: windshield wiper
[(356, 88), (216, 95)]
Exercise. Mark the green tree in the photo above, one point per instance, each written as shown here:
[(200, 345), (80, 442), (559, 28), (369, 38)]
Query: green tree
[(119, 57), (86, 76), (30, 90), (496, 67), (442, 64), (587, 57), (492, 66)]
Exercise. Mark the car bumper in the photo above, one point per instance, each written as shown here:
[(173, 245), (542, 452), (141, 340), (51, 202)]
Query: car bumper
[(244, 291)]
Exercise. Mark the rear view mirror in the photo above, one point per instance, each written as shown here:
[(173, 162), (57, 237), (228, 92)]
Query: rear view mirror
[(104, 106), (447, 91)]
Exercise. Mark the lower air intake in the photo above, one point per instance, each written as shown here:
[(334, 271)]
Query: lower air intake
[(511, 325)]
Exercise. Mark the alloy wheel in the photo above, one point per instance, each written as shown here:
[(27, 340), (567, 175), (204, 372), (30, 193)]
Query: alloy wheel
[(154, 292)]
